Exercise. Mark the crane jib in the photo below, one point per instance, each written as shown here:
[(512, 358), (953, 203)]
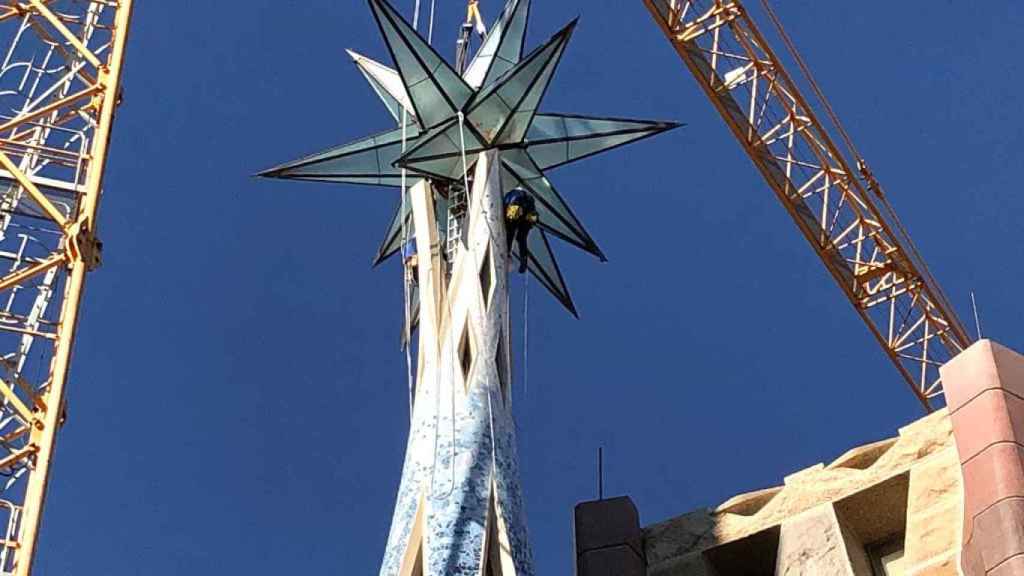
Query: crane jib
[(840, 211)]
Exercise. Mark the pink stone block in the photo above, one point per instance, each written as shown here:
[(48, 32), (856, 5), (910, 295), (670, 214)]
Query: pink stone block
[(984, 388), (992, 417), (986, 365), (1012, 567), (999, 534), (990, 477)]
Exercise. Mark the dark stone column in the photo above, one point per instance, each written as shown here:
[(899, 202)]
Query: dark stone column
[(608, 539)]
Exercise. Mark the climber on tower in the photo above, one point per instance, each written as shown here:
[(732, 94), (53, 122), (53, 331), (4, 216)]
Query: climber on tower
[(520, 217)]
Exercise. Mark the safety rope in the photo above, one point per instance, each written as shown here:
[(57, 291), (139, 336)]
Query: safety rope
[(494, 449), (526, 334), (462, 147), (437, 407), (430, 30), (406, 280), (507, 348), (452, 359), (485, 213), (453, 345), (465, 169), (408, 354), (526, 277), (406, 274)]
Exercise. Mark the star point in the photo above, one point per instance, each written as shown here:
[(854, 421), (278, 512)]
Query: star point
[(450, 118)]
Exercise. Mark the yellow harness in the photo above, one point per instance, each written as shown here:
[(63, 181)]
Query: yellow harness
[(515, 212)]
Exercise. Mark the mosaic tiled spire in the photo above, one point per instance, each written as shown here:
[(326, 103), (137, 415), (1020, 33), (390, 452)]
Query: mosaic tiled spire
[(459, 508)]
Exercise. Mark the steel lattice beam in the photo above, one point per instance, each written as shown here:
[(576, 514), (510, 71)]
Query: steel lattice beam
[(841, 212), (59, 86)]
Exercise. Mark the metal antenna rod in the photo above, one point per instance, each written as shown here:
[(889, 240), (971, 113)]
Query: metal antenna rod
[(600, 473), (977, 322)]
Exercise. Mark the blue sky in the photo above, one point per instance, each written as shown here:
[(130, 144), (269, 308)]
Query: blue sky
[(238, 400)]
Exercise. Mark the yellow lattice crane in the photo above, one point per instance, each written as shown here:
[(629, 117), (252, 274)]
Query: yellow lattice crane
[(60, 73), (824, 183)]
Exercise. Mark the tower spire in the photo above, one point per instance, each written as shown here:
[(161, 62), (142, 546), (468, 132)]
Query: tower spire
[(476, 134)]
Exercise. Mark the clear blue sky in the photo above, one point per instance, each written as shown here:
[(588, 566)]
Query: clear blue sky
[(238, 402)]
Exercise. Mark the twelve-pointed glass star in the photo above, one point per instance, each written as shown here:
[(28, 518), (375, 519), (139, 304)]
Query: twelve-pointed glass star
[(493, 105)]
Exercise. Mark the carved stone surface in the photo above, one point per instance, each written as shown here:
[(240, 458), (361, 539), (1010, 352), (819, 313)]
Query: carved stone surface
[(934, 516), (680, 536), (675, 546), (812, 544), (943, 567), (689, 565), (860, 562)]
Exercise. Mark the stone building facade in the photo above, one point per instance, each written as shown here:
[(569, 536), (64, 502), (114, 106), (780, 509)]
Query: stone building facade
[(943, 498)]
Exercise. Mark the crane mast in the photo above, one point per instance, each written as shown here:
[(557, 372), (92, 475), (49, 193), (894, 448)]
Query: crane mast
[(827, 188), (60, 70)]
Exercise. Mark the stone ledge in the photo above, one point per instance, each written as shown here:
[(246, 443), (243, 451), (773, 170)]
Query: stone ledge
[(753, 512)]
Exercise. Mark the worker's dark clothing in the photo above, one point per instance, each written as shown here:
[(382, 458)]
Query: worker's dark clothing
[(520, 216)]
